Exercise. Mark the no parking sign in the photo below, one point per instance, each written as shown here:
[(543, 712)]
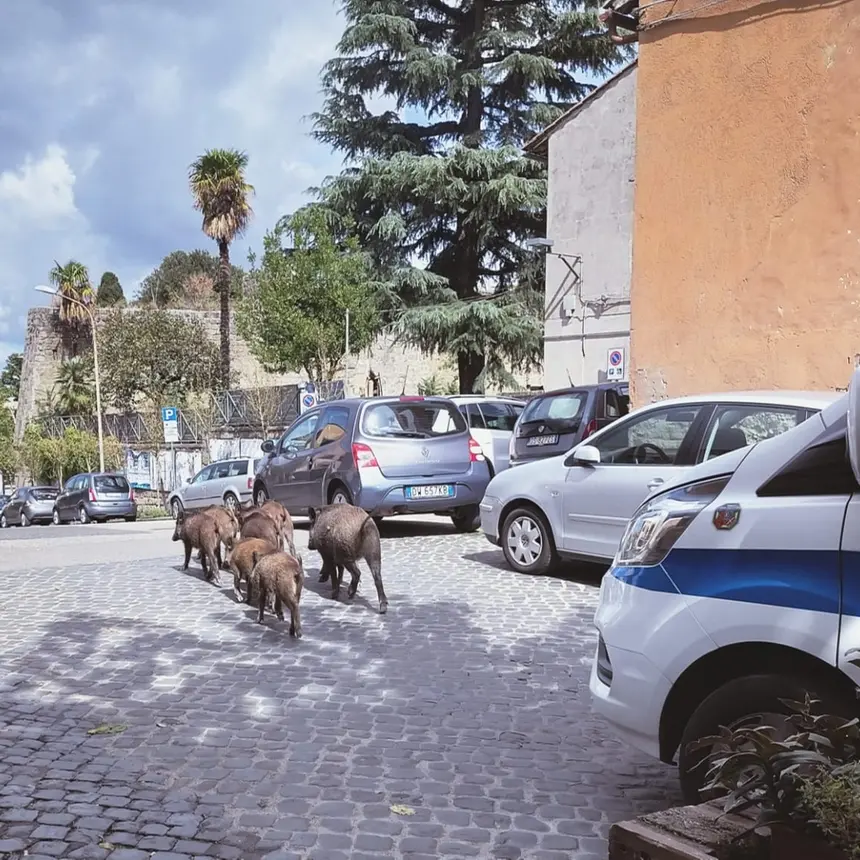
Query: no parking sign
[(615, 364), (308, 399)]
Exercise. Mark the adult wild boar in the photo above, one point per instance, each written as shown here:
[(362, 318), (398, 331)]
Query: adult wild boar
[(200, 531), (281, 575), (343, 534), (242, 563)]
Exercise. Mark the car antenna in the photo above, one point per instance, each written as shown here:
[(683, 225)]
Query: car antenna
[(405, 377), (568, 378)]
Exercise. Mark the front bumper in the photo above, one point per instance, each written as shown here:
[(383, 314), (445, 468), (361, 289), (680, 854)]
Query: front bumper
[(108, 510), (491, 508)]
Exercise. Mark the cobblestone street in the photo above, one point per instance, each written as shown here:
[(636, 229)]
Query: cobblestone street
[(458, 725)]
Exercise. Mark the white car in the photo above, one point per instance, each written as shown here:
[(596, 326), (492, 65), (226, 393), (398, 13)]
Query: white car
[(491, 421), (577, 505)]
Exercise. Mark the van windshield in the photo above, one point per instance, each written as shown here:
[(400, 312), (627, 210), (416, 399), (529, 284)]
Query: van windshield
[(558, 411)]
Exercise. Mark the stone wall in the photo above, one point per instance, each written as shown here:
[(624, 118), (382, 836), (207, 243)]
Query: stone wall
[(401, 368)]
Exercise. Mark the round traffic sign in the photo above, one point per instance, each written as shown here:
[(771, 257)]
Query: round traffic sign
[(308, 400), (615, 357)]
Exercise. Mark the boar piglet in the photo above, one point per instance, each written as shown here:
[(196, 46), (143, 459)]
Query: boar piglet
[(343, 534), (242, 563), (200, 531), (281, 575), (228, 527), (284, 522)]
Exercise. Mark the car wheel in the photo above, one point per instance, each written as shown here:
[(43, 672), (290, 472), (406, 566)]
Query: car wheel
[(467, 519), (25, 520), (83, 516), (527, 541), (751, 700), (3, 523), (231, 502), (260, 496), (339, 495), (131, 519), (175, 508), (55, 517)]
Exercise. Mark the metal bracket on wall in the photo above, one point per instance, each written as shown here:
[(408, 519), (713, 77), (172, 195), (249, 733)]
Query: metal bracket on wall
[(573, 262)]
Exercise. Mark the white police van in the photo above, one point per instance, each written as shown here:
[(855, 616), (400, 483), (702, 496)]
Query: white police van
[(735, 587)]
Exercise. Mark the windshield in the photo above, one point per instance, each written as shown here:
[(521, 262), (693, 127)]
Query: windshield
[(44, 494), (412, 420), (562, 408), (110, 484)]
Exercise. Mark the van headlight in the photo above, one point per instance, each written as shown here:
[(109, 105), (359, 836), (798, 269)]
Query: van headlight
[(656, 526)]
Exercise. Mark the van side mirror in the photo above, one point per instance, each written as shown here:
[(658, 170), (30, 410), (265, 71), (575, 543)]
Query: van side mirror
[(268, 446), (584, 455)]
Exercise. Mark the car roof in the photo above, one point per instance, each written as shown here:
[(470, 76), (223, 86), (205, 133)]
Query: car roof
[(803, 399), (480, 398), (585, 388)]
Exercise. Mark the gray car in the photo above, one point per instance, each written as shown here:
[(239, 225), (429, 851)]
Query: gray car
[(29, 505), (93, 497), (225, 482), (388, 455)]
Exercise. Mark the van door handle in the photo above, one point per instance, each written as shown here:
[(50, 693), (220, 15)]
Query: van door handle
[(855, 654), (652, 485)]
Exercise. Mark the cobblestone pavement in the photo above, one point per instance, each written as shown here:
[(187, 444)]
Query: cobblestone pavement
[(466, 705)]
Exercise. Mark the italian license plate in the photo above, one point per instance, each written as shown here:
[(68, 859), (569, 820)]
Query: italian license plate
[(433, 491), (542, 440)]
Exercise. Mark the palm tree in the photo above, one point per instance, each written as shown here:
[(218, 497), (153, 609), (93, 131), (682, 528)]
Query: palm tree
[(221, 193), (72, 282), (75, 387)]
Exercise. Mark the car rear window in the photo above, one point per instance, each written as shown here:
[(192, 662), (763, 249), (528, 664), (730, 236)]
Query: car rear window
[(562, 407), (44, 495), (499, 416), (238, 468), (412, 420), (110, 484)]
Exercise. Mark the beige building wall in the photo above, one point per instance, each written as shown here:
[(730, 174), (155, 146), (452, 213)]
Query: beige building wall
[(746, 248)]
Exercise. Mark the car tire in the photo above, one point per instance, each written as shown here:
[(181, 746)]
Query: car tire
[(230, 501), (83, 516), (539, 555), (55, 518), (4, 524), (25, 520), (175, 508), (339, 495), (131, 519), (467, 520), (737, 702), (260, 496)]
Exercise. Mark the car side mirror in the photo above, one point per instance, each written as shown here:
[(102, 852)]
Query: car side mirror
[(188, 480), (268, 446), (585, 455)]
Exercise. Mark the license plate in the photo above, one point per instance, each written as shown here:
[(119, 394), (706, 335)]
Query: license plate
[(434, 491), (542, 440)]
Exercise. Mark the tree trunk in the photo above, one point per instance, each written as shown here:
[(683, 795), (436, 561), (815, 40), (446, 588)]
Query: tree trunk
[(224, 291), (469, 367)]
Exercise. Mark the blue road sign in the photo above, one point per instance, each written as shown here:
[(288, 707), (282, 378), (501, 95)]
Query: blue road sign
[(168, 413), (615, 357), (308, 400)]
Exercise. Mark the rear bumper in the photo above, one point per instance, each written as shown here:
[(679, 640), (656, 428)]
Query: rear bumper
[(382, 496), (39, 513), (108, 510)]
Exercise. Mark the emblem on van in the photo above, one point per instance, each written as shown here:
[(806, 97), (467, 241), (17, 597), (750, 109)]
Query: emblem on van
[(425, 453), (541, 428), (726, 516)]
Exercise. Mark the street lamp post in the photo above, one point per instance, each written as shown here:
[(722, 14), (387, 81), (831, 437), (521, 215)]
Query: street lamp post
[(91, 315)]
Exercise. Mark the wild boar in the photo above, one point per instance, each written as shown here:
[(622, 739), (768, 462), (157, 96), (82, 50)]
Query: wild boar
[(200, 530), (282, 519), (242, 563), (343, 534), (228, 526), (281, 575), (258, 525)]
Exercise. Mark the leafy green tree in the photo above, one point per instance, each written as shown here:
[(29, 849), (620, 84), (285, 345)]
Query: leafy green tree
[(222, 194), (10, 378), (441, 178), (52, 459), (73, 287), (168, 284), (153, 358), (75, 386), (295, 315), (110, 291)]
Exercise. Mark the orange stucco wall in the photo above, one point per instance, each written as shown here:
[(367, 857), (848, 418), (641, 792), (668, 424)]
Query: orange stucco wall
[(746, 248)]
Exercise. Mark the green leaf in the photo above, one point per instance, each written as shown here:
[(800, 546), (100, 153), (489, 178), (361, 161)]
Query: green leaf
[(108, 729), (400, 809)]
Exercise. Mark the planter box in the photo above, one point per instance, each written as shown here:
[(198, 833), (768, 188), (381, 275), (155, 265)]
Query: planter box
[(700, 832)]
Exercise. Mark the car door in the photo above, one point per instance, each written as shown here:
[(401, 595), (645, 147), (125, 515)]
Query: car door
[(331, 442), (499, 420), (289, 470), (637, 455), (216, 483), (13, 509), (64, 500), (194, 494), (736, 425)]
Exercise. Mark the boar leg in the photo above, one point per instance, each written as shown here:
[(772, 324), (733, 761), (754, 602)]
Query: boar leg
[(279, 607), (214, 568), (188, 549), (336, 579), (324, 571), (295, 620), (355, 572), (261, 599), (376, 572), (237, 585)]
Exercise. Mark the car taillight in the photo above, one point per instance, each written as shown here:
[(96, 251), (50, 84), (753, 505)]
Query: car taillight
[(131, 493), (250, 483), (92, 495), (590, 428), (476, 453), (363, 456)]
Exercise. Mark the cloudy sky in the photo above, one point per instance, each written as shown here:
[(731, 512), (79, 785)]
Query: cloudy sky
[(104, 103)]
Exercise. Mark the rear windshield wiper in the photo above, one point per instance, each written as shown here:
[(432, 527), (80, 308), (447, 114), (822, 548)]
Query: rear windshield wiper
[(406, 434)]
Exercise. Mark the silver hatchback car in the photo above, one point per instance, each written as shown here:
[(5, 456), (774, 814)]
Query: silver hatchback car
[(388, 455)]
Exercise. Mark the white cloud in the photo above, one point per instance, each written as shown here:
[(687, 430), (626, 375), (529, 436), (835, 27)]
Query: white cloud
[(41, 188)]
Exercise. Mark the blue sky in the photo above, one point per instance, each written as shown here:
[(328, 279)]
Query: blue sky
[(104, 103)]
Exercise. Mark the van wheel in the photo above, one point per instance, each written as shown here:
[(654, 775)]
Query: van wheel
[(25, 520), (467, 519), (55, 517), (527, 541), (748, 701), (176, 508), (260, 496), (339, 495), (83, 516)]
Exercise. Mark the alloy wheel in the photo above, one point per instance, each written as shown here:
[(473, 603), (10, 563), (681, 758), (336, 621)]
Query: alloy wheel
[(525, 541)]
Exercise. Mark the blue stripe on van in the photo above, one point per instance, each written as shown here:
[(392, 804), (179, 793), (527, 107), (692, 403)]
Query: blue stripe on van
[(794, 579)]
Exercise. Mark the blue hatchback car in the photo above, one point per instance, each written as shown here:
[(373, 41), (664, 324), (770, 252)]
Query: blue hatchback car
[(388, 455)]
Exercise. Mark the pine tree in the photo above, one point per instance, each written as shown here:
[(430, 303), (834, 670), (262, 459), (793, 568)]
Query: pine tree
[(110, 291), (440, 179)]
